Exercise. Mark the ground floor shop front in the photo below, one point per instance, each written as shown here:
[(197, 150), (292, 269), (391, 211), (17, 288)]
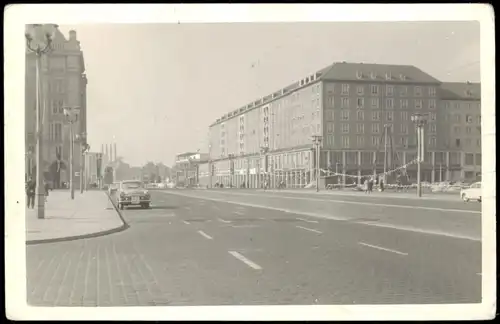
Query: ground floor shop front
[(297, 169)]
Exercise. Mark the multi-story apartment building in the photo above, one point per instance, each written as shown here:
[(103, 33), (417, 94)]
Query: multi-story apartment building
[(460, 115), (63, 83), (351, 105)]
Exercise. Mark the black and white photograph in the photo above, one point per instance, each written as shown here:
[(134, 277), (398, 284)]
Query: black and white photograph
[(251, 162)]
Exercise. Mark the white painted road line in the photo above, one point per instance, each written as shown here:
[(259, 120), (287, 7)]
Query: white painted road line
[(239, 213), (383, 249), (186, 222), (364, 203), (205, 235), (244, 226), (339, 218), (307, 220), (223, 221), (309, 229), (245, 260)]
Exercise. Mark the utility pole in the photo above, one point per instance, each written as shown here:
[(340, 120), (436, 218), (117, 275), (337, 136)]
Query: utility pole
[(231, 169), (385, 151), (420, 121), (70, 113), (210, 166), (34, 46), (317, 143)]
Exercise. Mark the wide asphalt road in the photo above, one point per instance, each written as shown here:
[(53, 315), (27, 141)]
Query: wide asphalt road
[(208, 248)]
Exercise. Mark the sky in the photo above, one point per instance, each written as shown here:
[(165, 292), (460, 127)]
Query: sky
[(155, 88)]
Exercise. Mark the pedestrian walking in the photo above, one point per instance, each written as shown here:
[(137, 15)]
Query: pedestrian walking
[(367, 185), (370, 185), (382, 185), (30, 192), (46, 187)]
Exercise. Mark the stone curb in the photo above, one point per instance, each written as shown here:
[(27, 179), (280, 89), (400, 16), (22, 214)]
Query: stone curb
[(121, 228)]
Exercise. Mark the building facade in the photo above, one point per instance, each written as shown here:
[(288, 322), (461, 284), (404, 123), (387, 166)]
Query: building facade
[(63, 83), (460, 110), (92, 172), (188, 166), (363, 113)]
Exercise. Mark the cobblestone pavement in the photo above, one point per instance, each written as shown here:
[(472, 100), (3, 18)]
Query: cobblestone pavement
[(191, 251)]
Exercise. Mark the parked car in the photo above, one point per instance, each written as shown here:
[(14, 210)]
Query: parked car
[(133, 193), (472, 193), (113, 187)]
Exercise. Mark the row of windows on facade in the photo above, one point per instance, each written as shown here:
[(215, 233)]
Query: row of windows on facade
[(400, 141), (375, 103), (58, 62), (418, 91), (374, 90), (465, 105), (375, 128), (390, 90), (457, 118), (345, 114)]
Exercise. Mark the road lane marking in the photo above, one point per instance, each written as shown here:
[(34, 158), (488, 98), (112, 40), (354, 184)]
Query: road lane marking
[(249, 263), (307, 220), (309, 229), (382, 248), (244, 226), (364, 203), (337, 218), (421, 231), (223, 221), (186, 222), (208, 237), (239, 213)]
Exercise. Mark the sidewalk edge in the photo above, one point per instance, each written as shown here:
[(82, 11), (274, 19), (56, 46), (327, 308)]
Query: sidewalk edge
[(121, 228)]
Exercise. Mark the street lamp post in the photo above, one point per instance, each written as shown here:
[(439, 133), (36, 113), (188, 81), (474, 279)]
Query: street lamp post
[(70, 113), (231, 169), (317, 142), (210, 165), (420, 121), (263, 151), (82, 138), (34, 46)]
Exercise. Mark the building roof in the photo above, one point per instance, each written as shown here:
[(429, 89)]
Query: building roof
[(377, 72), (187, 154), (460, 91)]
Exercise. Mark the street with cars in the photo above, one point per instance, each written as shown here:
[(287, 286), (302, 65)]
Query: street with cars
[(256, 247)]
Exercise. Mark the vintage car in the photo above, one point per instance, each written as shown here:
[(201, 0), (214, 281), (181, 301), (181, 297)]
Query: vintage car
[(113, 187), (132, 193), (471, 193)]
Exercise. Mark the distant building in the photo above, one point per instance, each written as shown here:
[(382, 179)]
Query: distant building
[(63, 83), (460, 111), (187, 166), (91, 168)]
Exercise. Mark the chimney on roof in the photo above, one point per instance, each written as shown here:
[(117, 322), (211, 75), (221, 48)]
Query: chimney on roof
[(72, 35)]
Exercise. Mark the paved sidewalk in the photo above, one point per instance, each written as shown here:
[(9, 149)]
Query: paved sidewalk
[(88, 214)]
